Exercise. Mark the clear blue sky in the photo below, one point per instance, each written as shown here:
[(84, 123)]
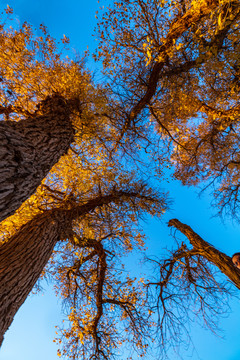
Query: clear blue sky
[(31, 334)]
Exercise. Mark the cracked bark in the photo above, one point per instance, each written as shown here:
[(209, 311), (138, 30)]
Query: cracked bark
[(25, 254), (28, 150), (21, 262)]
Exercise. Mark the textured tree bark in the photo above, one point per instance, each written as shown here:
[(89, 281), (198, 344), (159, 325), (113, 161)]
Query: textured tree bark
[(22, 260), (28, 150), (216, 257), (24, 256)]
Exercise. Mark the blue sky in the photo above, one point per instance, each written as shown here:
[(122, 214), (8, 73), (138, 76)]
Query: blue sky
[(31, 334)]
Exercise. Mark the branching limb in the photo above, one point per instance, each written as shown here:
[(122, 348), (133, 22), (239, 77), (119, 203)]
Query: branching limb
[(186, 288), (216, 257), (93, 293)]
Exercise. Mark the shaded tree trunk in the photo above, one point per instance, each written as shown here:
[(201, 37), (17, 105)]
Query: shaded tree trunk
[(28, 150), (216, 257), (22, 260), (24, 256)]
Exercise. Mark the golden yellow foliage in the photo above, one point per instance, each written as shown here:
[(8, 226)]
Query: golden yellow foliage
[(178, 61), (174, 92)]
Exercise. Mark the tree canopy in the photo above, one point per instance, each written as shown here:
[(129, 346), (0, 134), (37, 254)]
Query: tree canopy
[(177, 63), (170, 100)]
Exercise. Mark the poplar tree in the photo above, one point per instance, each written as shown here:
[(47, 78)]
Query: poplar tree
[(174, 68), (38, 109), (173, 91)]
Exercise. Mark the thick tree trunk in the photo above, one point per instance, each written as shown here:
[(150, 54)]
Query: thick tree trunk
[(28, 150), (24, 256), (216, 257), (22, 260)]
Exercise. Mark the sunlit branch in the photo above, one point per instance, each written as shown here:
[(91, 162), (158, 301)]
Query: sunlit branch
[(185, 286), (216, 257)]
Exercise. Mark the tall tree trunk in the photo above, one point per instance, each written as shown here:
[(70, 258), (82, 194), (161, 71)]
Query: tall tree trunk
[(24, 256), (216, 257), (22, 260), (28, 150)]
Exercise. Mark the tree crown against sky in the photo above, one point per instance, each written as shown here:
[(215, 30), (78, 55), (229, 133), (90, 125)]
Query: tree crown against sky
[(177, 63), (102, 201), (154, 77), (44, 96)]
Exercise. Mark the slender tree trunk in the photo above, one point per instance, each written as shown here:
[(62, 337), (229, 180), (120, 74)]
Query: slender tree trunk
[(28, 150), (216, 257), (24, 256)]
